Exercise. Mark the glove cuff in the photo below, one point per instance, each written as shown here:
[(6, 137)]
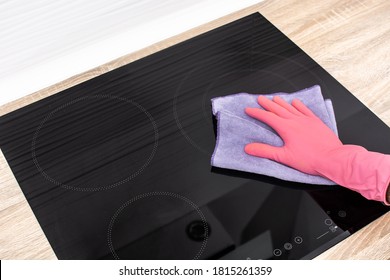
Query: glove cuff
[(358, 169)]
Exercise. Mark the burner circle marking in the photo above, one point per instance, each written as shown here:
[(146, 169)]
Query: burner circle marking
[(199, 66), (158, 193), (98, 188)]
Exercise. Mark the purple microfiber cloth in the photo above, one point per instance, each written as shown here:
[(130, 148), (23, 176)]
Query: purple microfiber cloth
[(235, 129)]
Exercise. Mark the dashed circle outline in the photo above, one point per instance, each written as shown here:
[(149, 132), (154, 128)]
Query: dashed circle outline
[(157, 193), (101, 188), (176, 115)]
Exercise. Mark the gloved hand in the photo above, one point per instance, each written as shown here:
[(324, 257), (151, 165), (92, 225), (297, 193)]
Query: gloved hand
[(312, 147)]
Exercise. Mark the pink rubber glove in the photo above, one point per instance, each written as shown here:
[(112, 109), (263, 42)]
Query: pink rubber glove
[(312, 147)]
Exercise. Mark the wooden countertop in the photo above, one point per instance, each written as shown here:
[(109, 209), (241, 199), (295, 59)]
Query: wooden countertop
[(349, 39)]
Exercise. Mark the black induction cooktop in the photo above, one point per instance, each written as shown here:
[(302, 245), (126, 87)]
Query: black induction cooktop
[(118, 167)]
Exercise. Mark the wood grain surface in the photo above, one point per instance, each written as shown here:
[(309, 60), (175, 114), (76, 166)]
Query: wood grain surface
[(349, 39)]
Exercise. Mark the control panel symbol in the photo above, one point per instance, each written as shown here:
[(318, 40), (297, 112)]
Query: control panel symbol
[(328, 222), (298, 239), (287, 246), (342, 214), (333, 228), (322, 235), (277, 252)]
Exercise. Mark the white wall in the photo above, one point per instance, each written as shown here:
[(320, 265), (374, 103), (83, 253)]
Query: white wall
[(43, 42)]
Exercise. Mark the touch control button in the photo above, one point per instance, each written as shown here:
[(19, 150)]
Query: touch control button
[(298, 239), (333, 228), (342, 214), (328, 222), (277, 252), (287, 246)]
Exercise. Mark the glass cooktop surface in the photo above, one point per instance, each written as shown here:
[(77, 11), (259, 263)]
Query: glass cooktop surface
[(118, 167)]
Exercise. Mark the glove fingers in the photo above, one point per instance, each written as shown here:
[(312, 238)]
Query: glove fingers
[(264, 151), (302, 108), (273, 107), (286, 105), (264, 116)]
